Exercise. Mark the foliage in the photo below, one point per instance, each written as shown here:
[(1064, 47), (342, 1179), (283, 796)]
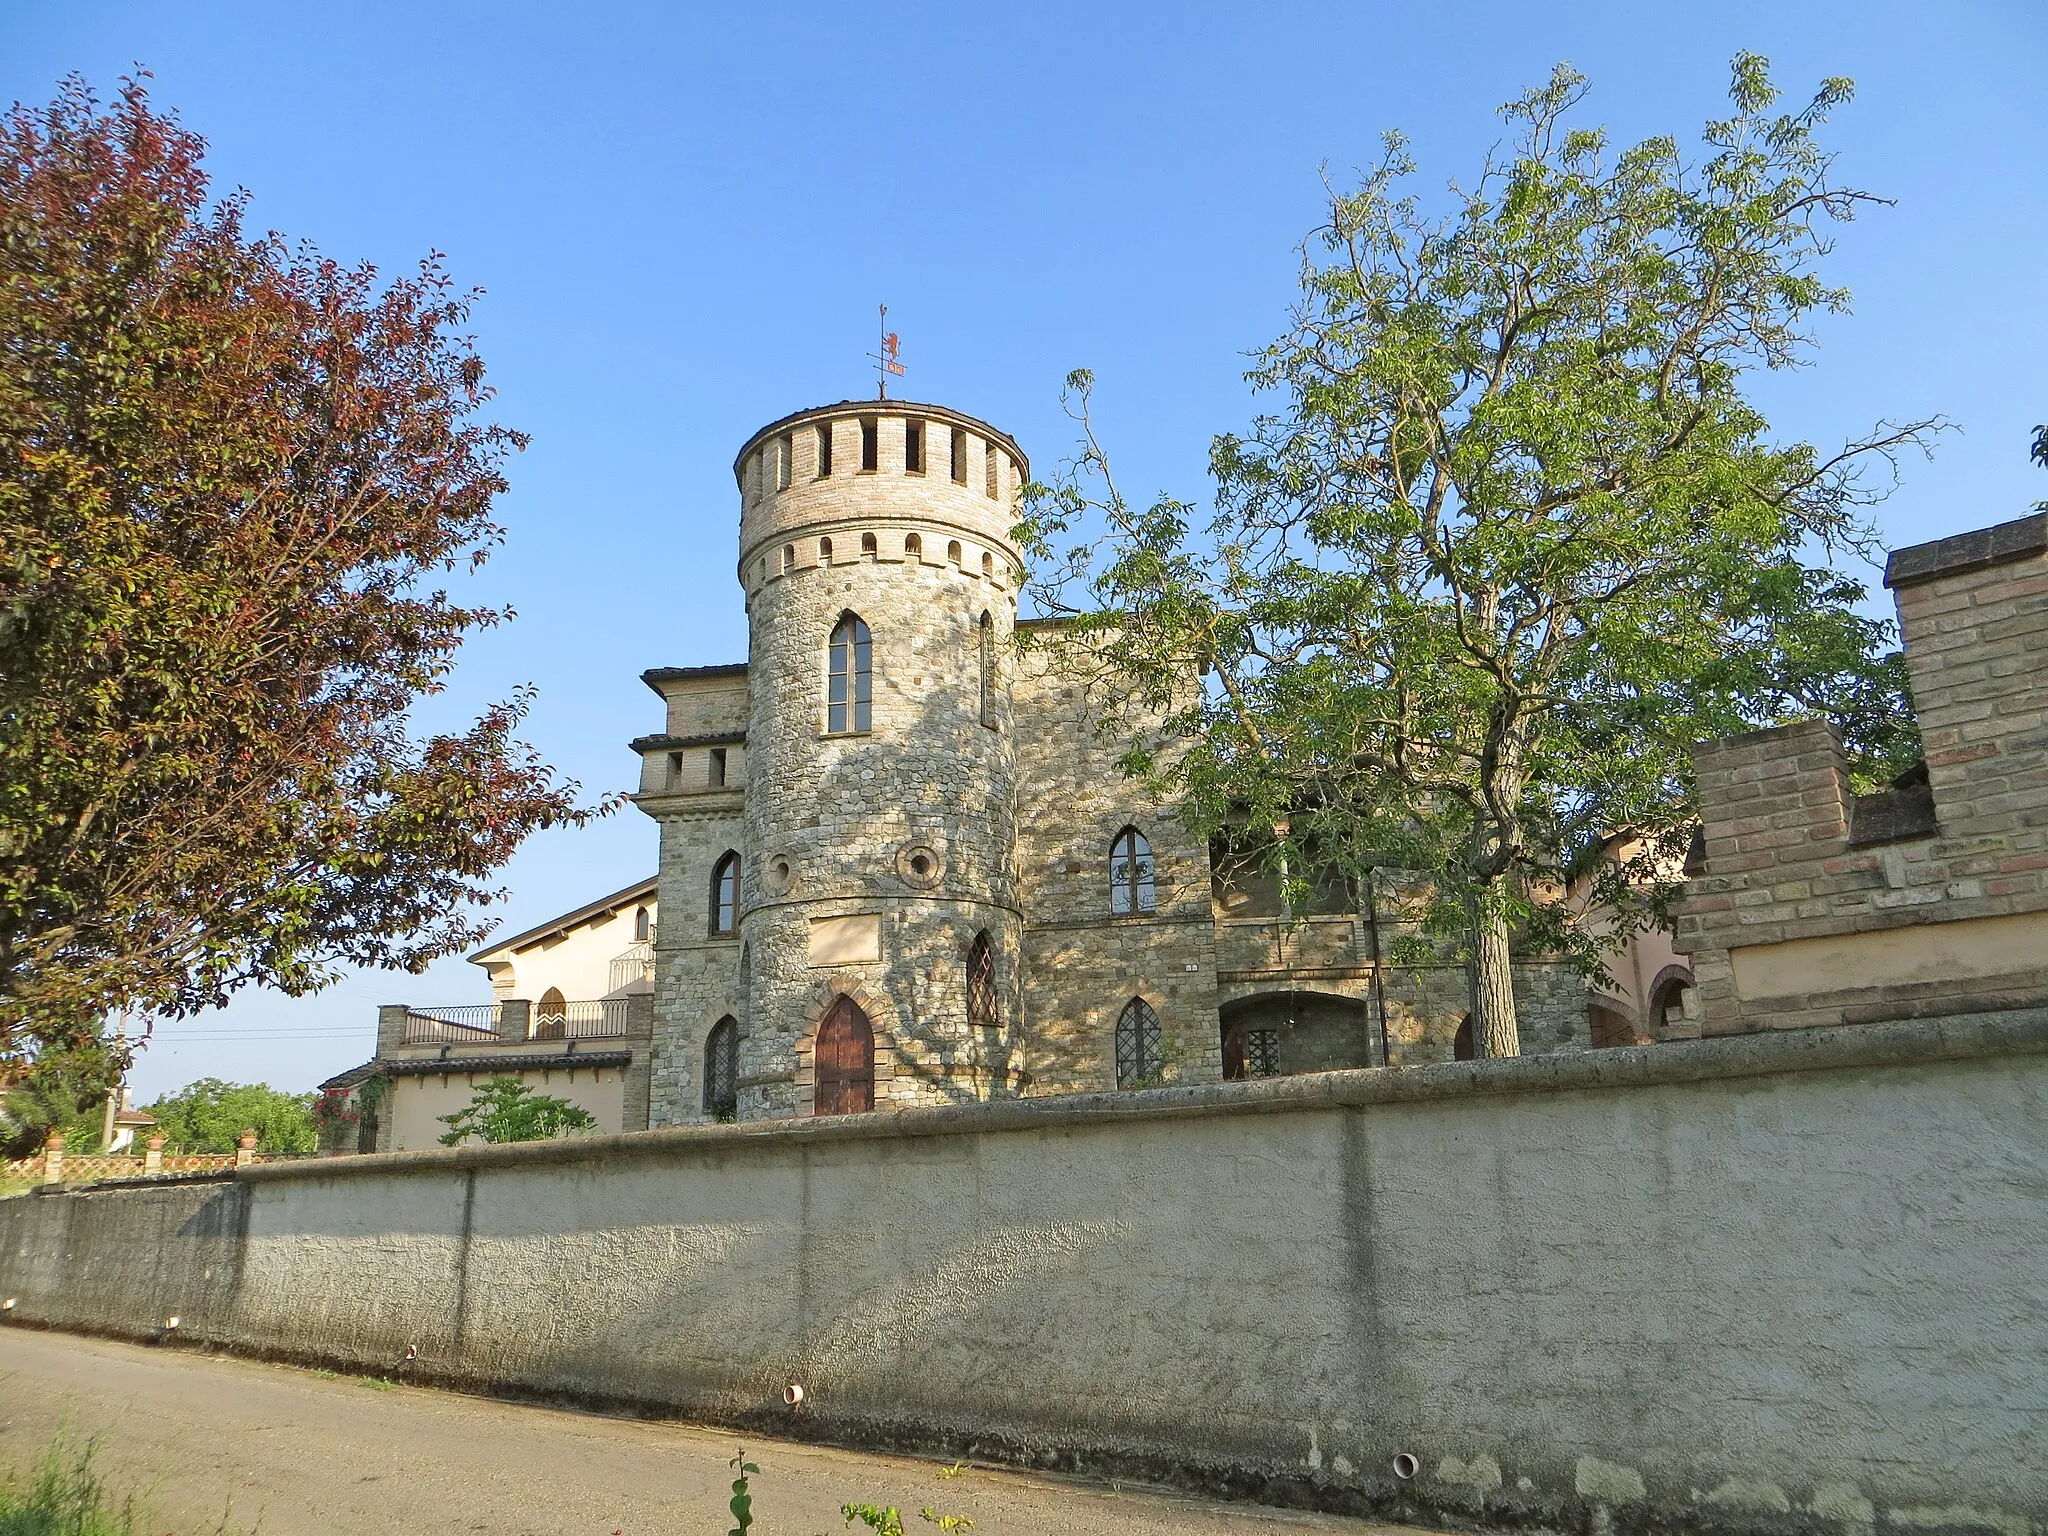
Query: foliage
[(63, 1495), (1516, 537), (210, 1116), (742, 1503), (232, 468), (888, 1521), (63, 1089), (334, 1109), (505, 1109)]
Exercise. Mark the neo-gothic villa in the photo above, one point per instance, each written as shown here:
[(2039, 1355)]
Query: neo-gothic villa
[(899, 864)]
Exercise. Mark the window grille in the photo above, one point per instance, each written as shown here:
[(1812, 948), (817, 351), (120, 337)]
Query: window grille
[(1139, 1054), (722, 1069), (1132, 888), (725, 893), (982, 1003), (1262, 1053), (849, 685)]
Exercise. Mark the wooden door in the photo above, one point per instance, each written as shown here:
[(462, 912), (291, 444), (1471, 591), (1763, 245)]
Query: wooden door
[(844, 1061)]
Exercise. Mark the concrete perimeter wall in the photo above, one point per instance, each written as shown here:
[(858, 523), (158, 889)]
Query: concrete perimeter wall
[(1792, 1282)]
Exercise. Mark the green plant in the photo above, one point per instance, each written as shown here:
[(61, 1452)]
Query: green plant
[(505, 1109), (210, 1115), (63, 1495), (380, 1383), (888, 1521), (742, 1502)]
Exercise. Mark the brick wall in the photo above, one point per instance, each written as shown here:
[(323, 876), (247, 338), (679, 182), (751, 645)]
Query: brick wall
[(1816, 906)]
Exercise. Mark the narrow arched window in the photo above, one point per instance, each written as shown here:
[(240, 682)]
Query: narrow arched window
[(1131, 886), (913, 544), (849, 689), (986, 639), (1139, 1057), (642, 926), (824, 551), (725, 893), (953, 550), (868, 546), (983, 1008), (722, 1069)]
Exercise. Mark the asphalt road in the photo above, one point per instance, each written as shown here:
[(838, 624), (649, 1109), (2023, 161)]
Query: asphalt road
[(291, 1452)]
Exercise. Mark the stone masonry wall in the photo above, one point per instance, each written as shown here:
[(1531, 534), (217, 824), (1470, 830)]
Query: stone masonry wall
[(1082, 965)]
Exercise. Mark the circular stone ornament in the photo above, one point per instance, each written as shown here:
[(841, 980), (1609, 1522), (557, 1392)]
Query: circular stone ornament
[(778, 874), (919, 865)]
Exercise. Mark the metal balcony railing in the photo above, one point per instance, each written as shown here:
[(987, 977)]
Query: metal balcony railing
[(631, 966), (579, 1021), (464, 1025)]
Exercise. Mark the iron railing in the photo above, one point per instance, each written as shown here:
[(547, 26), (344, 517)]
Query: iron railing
[(580, 1021), (632, 966), (468, 1024)]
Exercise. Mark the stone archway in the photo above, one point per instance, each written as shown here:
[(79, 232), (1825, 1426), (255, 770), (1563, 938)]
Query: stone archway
[(1276, 1034)]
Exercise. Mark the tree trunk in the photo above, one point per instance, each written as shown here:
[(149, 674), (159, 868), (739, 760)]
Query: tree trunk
[(1495, 1031)]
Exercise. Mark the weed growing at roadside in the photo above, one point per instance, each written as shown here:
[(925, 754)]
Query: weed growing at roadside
[(64, 1496), (889, 1521), (381, 1383), (742, 1504)]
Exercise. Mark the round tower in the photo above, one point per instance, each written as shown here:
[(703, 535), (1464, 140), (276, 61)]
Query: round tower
[(877, 897)]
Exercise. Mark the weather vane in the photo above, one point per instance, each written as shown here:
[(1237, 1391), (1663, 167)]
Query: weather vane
[(887, 360)]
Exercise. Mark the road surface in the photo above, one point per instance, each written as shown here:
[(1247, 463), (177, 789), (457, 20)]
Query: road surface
[(292, 1452)]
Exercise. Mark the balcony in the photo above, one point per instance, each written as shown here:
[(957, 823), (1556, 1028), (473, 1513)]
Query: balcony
[(460, 1025), (516, 1021), (606, 1019)]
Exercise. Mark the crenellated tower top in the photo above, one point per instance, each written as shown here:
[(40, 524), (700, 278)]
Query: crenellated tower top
[(869, 470)]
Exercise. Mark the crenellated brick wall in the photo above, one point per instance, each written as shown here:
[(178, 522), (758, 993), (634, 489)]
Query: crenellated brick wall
[(1816, 906)]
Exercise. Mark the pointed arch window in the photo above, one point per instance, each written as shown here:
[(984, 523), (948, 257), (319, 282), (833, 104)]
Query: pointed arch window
[(550, 1016), (849, 685), (986, 639), (722, 1069), (725, 894), (1132, 889), (983, 1006), (1140, 1059)]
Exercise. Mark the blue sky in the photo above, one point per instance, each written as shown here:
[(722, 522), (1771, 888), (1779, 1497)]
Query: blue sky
[(684, 218)]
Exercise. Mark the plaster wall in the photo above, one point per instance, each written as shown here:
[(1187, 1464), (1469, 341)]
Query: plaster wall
[(1779, 1283), (578, 964)]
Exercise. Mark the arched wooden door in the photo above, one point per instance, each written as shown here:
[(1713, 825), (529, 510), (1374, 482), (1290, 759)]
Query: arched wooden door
[(844, 1061)]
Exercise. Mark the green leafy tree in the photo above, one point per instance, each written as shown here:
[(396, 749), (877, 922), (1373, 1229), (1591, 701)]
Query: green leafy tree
[(210, 1116), (231, 471), (505, 1109), (64, 1089), (1517, 535)]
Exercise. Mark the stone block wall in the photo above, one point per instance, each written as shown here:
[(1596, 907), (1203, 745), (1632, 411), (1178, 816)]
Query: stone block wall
[(1082, 963), (1816, 906)]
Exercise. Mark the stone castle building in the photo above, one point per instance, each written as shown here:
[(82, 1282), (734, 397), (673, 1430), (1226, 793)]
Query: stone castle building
[(899, 865)]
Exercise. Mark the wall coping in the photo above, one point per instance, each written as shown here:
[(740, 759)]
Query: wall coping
[(1963, 552), (2014, 1032)]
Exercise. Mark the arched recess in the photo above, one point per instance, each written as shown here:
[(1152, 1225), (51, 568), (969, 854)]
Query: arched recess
[(1666, 993), (551, 1015), (722, 1069), (1277, 1034), (843, 1061), (1463, 1046), (1607, 1025), (985, 640)]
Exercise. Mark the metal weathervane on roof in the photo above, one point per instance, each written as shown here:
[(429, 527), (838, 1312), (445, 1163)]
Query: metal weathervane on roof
[(888, 359)]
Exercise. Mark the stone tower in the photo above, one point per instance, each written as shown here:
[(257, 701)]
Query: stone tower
[(880, 768)]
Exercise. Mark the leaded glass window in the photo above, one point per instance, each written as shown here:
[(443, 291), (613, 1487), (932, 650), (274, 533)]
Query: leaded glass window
[(850, 689)]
